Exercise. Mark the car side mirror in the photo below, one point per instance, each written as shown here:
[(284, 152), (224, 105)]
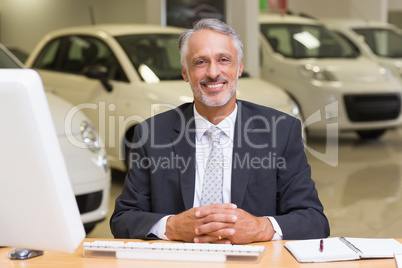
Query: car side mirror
[(100, 72), (245, 74)]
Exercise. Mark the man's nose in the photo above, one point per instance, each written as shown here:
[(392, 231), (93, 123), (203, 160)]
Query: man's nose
[(213, 70)]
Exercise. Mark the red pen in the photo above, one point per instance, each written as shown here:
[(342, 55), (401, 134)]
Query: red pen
[(321, 245)]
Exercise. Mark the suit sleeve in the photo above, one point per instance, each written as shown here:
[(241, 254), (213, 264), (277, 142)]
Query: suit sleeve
[(132, 217), (300, 213)]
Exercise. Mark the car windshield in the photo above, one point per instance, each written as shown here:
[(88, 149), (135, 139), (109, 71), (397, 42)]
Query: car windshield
[(305, 41), (156, 57), (383, 42), (6, 61)]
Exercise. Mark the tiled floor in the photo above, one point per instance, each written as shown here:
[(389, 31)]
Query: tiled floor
[(361, 189), (362, 195)]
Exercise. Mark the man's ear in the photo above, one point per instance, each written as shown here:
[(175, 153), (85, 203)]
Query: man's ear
[(240, 69), (184, 74)]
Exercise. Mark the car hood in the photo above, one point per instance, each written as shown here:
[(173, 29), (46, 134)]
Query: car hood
[(262, 92), (397, 62), (66, 118), (360, 70), (249, 89)]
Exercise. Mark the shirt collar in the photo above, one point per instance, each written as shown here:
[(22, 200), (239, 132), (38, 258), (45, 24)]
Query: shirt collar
[(226, 125)]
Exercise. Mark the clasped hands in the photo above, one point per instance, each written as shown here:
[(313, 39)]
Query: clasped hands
[(218, 223)]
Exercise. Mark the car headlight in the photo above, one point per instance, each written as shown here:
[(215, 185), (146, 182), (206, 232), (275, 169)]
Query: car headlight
[(315, 72), (90, 136), (387, 73), (295, 111)]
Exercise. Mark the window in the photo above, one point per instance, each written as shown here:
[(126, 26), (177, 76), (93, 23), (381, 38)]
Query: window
[(155, 56), (47, 57), (305, 41), (383, 42), (73, 54), (6, 61)]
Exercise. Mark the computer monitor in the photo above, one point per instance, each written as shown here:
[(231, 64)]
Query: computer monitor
[(38, 209)]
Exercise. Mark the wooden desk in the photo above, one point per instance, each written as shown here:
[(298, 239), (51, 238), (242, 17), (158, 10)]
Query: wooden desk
[(275, 256)]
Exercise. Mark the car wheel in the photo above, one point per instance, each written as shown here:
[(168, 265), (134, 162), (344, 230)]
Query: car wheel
[(371, 134)]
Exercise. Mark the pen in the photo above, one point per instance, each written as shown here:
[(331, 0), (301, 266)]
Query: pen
[(321, 245)]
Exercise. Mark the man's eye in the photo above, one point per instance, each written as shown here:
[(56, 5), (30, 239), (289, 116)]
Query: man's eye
[(199, 63)]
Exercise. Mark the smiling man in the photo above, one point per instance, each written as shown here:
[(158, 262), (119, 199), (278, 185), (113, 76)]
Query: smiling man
[(212, 67), (228, 193)]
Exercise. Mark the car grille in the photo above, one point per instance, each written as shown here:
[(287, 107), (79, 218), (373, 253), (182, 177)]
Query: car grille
[(374, 107), (89, 202)]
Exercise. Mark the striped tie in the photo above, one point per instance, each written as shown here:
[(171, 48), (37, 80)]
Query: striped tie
[(213, 177)]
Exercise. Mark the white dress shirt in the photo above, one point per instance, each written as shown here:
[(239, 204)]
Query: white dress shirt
[(203, 149)]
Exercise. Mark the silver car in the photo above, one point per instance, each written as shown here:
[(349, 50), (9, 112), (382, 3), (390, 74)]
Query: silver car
[(332, 84)]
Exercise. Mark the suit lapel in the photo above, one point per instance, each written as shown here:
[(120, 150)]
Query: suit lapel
[(242, 151), (185, 132)]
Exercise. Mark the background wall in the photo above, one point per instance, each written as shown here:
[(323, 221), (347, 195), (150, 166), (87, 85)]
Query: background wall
[(24, 22), (366, 9), (395, 12), (395, 4)]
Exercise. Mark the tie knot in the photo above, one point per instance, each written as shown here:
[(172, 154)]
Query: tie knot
[(214, 133)]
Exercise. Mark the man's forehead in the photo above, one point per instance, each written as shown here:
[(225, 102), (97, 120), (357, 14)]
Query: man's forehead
[(206, 40), (207, 33)]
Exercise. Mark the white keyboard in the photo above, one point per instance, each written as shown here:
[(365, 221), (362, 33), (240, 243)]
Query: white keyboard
[(173, 251)]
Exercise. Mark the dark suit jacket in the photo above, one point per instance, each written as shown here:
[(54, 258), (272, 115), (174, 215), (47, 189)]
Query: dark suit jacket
[(270, 173)]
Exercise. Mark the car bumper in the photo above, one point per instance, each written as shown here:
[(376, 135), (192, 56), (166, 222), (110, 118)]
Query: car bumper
[(91, 180), (353, 107)]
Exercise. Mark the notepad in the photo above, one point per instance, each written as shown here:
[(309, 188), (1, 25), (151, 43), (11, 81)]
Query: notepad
[(343, 249)]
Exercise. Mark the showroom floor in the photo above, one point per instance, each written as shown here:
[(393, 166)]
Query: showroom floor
[(362, 194)]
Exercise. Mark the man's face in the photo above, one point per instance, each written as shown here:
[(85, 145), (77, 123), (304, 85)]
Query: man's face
[(212, 68)]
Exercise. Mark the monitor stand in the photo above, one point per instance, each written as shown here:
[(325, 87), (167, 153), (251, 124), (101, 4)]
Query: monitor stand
[(24, 253)]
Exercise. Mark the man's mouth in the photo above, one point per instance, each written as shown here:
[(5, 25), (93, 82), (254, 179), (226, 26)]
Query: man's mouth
[(214, 86)]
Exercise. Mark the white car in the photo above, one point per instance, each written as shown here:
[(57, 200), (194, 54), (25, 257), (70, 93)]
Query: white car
[(81, 146), (119, 75), (378, 40), (331, 84)]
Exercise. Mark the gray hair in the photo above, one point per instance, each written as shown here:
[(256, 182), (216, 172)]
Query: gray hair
[(213, 25)]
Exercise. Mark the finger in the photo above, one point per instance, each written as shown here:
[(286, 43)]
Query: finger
[(219, 218), (211, 239), (210, 228), (222, 241), (205, 239), (223, 233), (223, 205), (215, 209), (215, 229)]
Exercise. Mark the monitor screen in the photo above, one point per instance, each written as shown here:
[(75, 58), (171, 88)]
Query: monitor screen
[(38, 209)]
